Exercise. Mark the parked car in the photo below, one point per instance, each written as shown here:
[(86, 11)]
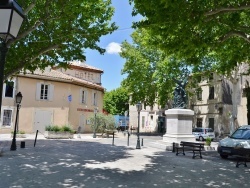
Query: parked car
[(239, 139), (201, 133)]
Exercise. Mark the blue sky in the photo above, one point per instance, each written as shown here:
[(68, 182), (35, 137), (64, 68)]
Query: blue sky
[(111, 63)]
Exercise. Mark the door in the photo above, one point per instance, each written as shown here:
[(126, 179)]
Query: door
[(81, 124), (42, 119)]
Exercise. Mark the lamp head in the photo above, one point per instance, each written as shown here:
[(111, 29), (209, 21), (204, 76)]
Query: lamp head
[(139, 106), (11, 18), (19, 97)]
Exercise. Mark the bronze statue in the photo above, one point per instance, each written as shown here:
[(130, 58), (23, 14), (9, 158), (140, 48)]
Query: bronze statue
[(180, 95)]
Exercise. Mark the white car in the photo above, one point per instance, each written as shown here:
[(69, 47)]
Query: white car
[(202, 134), (239, 139)]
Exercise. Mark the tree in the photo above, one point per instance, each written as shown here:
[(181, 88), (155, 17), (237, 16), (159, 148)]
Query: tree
[(217, 31), (56, 32), (149, 70), (116, 101), (103, 122), (193, 30)]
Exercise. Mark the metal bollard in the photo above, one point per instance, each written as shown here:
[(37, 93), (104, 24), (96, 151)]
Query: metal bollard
[(128, 139), (173, 150), (113, 138), (22, 144), (35, 138), (142, 142)]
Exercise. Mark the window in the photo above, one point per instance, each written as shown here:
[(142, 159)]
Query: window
[(211, 93), (83, 96), (199, 122), (95, 98), (9, 89), (44, 91), (211, 123), (7, 117)]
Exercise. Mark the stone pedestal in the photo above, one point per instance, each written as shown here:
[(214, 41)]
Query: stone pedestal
[(179, 126)]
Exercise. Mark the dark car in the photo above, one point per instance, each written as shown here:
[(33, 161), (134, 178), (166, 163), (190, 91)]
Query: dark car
[(239, 139)]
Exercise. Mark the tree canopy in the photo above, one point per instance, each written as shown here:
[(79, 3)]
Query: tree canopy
[(56, 32), (116, 101), (194, 30), (150, 71)]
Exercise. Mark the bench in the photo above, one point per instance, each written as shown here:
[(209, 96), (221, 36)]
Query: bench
[(190, 146), (243, 156)]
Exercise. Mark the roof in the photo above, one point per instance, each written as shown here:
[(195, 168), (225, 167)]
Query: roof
[(84, 66), (61, 77)]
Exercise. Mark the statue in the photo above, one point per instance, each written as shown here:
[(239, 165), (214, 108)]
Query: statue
[(180, 95)]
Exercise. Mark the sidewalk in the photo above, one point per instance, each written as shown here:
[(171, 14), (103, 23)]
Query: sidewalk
[(96, 163)]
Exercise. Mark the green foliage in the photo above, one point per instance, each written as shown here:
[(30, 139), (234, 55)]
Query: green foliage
[(208, 141), (56, 32), (149, 71), (102, 122), (116, 101), (196, 30), (56, 128), (18, 132)]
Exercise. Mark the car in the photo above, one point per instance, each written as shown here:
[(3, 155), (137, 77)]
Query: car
[(202, 134), (239, 139)]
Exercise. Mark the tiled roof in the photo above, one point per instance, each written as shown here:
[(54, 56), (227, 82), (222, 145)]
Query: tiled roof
[(84, 65), (59, 76)]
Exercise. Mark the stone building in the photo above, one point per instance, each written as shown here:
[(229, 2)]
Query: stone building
[(53, 97)]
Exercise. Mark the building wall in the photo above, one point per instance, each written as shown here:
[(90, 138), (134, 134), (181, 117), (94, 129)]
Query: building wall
[(65, 106)]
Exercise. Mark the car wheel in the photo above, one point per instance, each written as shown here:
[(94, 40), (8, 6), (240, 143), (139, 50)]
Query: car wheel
[(201, 138), (223, 156)]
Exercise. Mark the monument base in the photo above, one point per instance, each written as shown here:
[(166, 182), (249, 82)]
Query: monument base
[(179, 126), (178, 138)]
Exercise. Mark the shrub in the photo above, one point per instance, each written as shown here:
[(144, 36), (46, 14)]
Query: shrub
[(18, 132), (56, 128), (208, 141), (67, 128)]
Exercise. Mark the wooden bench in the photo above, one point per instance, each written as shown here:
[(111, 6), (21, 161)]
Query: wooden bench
[(243, 156), (190, 146)]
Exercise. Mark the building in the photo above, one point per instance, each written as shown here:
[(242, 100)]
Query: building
[(53, 97), (152, 119), (212, 106)]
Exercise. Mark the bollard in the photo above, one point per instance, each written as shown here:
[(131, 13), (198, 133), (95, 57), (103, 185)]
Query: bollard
[(22, 144), (142, 142), (173, 150), (113, 138), (128, 139), (35, 138)]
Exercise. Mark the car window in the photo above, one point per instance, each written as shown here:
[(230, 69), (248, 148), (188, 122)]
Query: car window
[(210, 130), (241, 134)]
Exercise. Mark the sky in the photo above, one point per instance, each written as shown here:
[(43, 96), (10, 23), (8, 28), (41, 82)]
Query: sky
[(111, 63)]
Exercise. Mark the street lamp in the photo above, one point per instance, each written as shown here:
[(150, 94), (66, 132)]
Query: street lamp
[(139, 108), (125, 114), (95, 111), (18, 102), (11, 18)]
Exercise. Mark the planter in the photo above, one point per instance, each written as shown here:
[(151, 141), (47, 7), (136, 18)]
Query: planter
[(19, 135), (58, 135)]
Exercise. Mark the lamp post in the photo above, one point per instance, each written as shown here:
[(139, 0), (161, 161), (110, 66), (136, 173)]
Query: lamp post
[(95, 111), (125, 114), (139, 108), (11, 18), (18, 102)]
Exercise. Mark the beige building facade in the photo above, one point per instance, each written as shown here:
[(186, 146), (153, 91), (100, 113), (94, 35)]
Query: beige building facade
[(53, 97), (212, 106)]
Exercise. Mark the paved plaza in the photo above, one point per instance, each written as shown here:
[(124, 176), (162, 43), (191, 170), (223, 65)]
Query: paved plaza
[(98, 163)]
